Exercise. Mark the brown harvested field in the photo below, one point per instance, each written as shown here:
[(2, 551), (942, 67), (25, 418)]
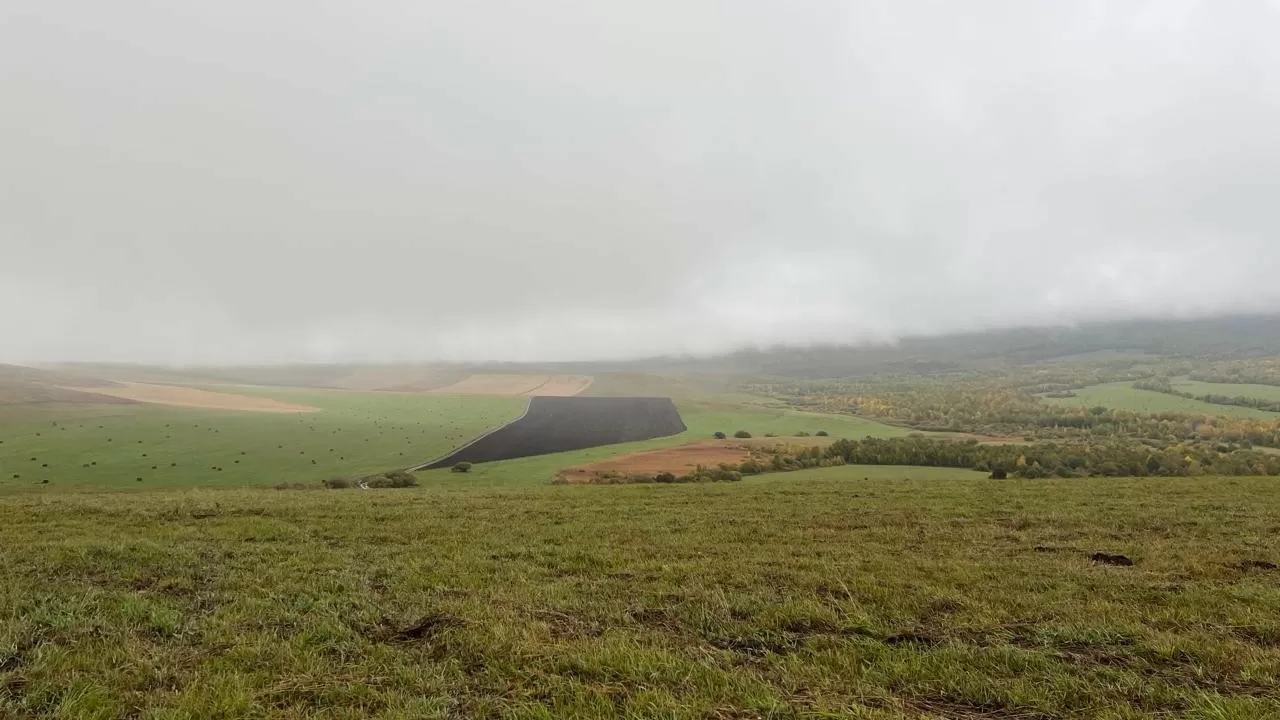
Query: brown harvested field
[(493, 385), (396, 378), (677, 460), (191, 397), (561, 386), (529, 385), (34, 394)]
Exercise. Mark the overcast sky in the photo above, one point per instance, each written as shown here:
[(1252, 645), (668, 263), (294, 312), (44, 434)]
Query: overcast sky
[(247, 181)]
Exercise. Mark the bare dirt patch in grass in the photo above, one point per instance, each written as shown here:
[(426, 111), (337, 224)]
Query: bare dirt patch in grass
[(191, 397), (677, 460)]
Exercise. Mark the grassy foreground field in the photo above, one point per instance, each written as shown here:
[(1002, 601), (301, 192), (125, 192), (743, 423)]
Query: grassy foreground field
[(845, 592)]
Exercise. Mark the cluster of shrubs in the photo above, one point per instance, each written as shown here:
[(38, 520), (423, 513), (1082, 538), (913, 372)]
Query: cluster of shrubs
[(1024, 461), (389, 479), (744, 435), (1045, 459), (725, 472), (803, 459)]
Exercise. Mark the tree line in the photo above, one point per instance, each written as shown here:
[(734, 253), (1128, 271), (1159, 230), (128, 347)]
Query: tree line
[(1072, 459), (1162, 385), (1030, 461)]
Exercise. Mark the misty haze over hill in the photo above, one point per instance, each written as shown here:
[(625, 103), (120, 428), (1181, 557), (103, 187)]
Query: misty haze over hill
[(247, 182)]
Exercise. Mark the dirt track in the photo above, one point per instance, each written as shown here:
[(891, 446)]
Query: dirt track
[(191, 397)]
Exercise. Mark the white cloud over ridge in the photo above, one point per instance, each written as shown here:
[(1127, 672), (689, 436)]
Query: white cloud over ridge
[(571, 180)]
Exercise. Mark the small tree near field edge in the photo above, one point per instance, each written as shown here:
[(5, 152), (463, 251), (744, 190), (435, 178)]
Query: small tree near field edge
[(461, 467), (742, 434), (719, 436)]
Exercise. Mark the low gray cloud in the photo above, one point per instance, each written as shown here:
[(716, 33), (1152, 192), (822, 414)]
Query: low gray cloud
[(246, 182)]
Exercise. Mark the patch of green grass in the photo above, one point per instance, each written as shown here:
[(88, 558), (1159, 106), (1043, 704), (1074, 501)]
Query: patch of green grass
[(808, 594), (1123, 396), (1196, 387), (44, 413), (356, 433)]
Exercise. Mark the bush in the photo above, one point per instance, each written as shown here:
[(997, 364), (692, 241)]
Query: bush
[(404, 478), (802, 433), (750, 467), (822, 433), (461, 467), (664, 477), (719, 436), (337, 483), (1032, 472), (391, 479), (706, 475), (742, 434)]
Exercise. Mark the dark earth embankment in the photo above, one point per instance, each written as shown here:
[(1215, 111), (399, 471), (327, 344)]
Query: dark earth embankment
[(559, 424)]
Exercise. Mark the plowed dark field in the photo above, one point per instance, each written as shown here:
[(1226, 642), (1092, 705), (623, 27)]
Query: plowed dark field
[(558, 424)]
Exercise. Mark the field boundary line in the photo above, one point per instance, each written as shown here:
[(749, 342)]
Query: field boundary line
[(530, 392), (423, 466)]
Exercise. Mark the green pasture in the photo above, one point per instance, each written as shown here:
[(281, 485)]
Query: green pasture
[(1123, 396), (1196, 387), (355, 433), (845, 592)]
